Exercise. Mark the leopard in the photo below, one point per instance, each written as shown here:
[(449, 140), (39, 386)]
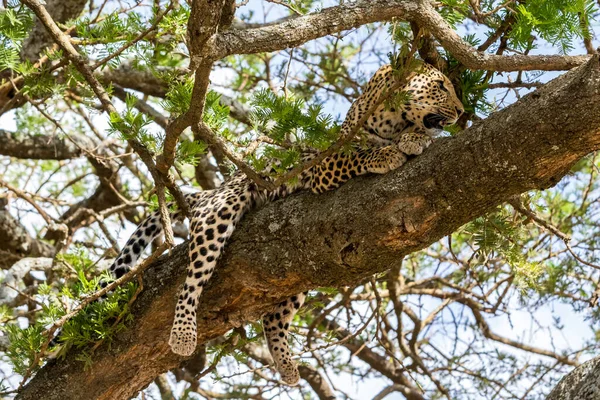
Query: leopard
[(387, 138)]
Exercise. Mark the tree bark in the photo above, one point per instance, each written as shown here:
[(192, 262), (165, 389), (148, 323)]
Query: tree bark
[(61, 11), (16, 241), (583, 383), (342, 237), (42, 147)]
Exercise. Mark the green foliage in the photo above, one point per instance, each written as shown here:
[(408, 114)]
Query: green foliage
[(188, 152), (499, 235), (39, 83), (454, 11), (178, 98), (215, 113), (9, 57), (15, 23), (153, 202), (24, 345), (556, 21), (114, 27), (132, 125), (286, 158), (473, 85), (98, 321), (290, 119), (175, 22), (215, 116), (400, 32), (292, 125)]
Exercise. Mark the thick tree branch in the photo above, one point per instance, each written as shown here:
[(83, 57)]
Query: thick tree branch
[(429, 18), (15, 241), (292, 32), (42, 147), (583, 383), (342, 237), (202, 25)]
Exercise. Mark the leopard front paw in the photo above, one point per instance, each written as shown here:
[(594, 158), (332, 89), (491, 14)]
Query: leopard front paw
[(183, 339), (387, 161), (396, 160), (414, 144)]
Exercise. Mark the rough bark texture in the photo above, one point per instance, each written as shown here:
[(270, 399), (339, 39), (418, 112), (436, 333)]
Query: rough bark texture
[(583, 383), (16, 241), (429, 18), (342, 237), (42, 147), (291, 32)]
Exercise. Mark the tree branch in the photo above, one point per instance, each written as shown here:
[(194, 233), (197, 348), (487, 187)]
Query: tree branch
[(61, 11), (582, 383), (15, 241), (342, 237), (429, 18), (42, 147), (81, 63), (292, 32), (202, 25)]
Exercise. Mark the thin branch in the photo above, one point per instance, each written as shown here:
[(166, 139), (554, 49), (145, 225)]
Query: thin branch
[(28, 199), (82, 65), (430, 19), (49, 333), (139, 37), (518, 205)]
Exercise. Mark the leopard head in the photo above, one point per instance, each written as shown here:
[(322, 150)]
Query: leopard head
[(432, 104)]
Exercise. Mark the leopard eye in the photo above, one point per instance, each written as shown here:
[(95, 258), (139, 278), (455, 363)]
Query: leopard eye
[(441, 85)]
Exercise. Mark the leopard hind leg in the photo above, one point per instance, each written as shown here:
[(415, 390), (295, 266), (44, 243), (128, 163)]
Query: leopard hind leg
[(276, 326)]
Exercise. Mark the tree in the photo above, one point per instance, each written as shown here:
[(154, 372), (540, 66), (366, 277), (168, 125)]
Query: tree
[(457, 276)]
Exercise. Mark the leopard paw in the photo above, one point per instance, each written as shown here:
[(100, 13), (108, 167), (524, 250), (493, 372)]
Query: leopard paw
[(289, 373), (182, 340), (414, 148)]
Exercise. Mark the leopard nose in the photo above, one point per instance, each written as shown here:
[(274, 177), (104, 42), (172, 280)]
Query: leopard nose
[(459, 110)]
